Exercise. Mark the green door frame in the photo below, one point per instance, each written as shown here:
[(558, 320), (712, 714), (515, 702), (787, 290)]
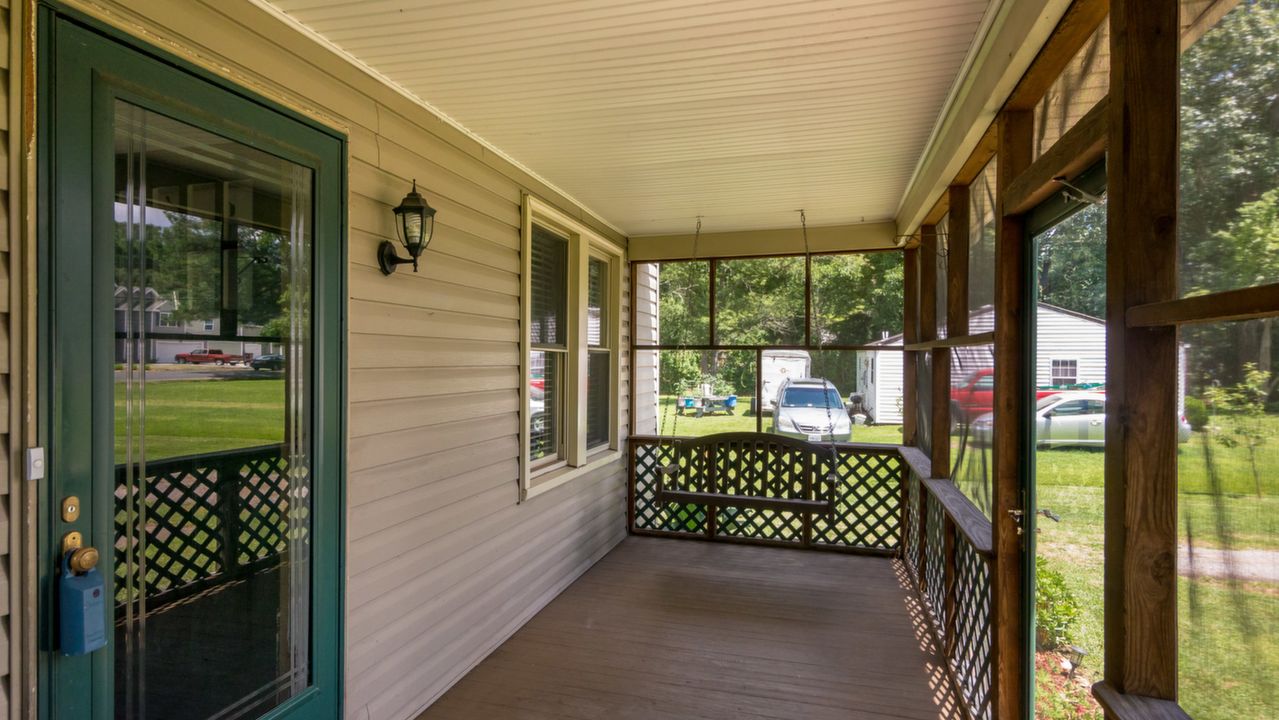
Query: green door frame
[(83, 68), (1051, 212)]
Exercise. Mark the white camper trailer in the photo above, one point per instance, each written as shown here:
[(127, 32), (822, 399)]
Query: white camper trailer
[(776, 366)]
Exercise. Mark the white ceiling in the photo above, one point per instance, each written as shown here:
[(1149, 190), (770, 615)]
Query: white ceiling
[(652, 112)]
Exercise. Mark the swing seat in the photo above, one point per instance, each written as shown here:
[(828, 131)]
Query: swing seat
[(751, 470)]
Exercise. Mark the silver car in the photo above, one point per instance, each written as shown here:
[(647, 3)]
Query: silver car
[(811, 409), (1070, 419)]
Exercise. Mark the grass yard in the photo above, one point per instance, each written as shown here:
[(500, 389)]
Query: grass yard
[(1229, 643), (185, 417), (671, 423)]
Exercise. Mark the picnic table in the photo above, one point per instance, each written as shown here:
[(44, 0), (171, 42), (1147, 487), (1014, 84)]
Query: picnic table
[(706, 404)]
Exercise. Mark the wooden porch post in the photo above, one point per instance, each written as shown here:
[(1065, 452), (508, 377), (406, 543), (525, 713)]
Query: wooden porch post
[(910, 334), (957, 261), (1141, 363), (1008, 586), (938, 382)]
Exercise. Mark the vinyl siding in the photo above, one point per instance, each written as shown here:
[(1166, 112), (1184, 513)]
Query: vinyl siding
[(442, 563), (646, 362)]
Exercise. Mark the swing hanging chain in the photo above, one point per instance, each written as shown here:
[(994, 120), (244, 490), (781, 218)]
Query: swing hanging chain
[(673, 406)]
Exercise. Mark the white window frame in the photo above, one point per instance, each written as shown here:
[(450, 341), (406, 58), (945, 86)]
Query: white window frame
[(583, 243), (1052, 374)]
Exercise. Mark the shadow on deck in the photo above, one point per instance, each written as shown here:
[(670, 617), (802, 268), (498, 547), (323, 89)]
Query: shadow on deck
[(676, 629)]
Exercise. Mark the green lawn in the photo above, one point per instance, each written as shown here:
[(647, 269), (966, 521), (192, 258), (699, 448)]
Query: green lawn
[(184, 417), (1229, 643), (672, 423)]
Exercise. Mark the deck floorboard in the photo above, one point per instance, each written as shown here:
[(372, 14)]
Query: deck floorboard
[(664, 629)]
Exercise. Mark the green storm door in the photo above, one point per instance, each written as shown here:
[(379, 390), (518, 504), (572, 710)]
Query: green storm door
[(192, 303)]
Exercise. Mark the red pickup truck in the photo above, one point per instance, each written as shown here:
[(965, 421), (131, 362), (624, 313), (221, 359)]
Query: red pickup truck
[(210, 355), (976, 395)]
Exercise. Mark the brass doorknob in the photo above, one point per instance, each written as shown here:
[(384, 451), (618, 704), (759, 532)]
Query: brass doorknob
[(83, 559)]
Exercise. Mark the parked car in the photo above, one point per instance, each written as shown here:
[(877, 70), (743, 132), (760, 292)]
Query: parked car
[(1070, 419), (270, 361), (976, 396), (811, 409), (210, 355)]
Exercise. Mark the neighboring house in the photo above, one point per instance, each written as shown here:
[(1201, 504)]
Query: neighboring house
[(1071, 354), (157, 319)]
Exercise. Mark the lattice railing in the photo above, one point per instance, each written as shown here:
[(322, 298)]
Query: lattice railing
[(866, 513), (950, 541), (200, 519)]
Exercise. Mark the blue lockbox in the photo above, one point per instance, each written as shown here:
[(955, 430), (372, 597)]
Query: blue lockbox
[(82, 610)]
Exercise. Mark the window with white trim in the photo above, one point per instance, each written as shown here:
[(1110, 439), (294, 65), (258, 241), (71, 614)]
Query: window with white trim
[(571, 316), (1065, 372)]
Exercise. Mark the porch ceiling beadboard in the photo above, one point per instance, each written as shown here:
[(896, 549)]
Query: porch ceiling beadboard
[(653, 113)]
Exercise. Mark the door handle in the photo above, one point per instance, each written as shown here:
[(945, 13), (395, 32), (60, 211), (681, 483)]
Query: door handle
[(83, 559)]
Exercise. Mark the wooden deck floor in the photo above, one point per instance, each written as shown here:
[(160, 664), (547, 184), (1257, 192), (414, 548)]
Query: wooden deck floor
[(682, 629)]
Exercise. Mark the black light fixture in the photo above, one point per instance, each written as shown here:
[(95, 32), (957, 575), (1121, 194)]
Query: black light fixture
[(414, 223)]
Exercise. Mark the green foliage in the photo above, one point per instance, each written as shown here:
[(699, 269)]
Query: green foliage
[(184, 265), (680, 371), (1229, 176), (1243, 407), (1071, 263), (1057, 610), (857, 298), (1196, 413), (760, 301)]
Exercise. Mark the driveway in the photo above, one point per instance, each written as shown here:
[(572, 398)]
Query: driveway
[(1254, 565), (167, 372)]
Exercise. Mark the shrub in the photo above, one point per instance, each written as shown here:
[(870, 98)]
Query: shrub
[(1196, 413), (1056, 608)]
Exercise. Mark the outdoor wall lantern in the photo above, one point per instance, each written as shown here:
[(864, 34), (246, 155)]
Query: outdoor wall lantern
[(414, 223)]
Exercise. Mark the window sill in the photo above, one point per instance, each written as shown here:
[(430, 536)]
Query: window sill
[(552, 478)]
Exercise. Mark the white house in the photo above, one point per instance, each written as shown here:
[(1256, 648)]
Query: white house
[(1071, 353)]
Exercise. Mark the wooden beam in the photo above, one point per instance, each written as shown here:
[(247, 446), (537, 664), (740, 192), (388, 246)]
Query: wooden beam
[(1243, 304), (927, 283), (938, 211), (1207, 19), (764, 243), (1016, 131), (1078, 24), (955, 341), (979, 157), (957, 261), (1141, 363), (928, 333), (1076, 151), (1136, 707), (910, 334), (938, 381), (967, 518)]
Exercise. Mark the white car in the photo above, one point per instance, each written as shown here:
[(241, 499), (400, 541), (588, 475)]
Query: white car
[(811, 409), (1070, 419)]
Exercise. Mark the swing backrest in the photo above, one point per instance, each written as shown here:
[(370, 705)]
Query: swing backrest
[(750, 470)]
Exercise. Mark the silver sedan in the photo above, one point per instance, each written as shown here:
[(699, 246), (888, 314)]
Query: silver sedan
[(1070, 419)]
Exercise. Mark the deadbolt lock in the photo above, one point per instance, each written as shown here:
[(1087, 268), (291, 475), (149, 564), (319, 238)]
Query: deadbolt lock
[(70, 509)]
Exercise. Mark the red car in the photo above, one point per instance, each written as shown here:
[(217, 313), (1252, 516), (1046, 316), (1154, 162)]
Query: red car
[(976, 395), (209, 355)]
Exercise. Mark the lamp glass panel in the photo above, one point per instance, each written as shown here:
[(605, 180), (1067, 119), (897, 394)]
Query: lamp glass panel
[(412, 221)]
